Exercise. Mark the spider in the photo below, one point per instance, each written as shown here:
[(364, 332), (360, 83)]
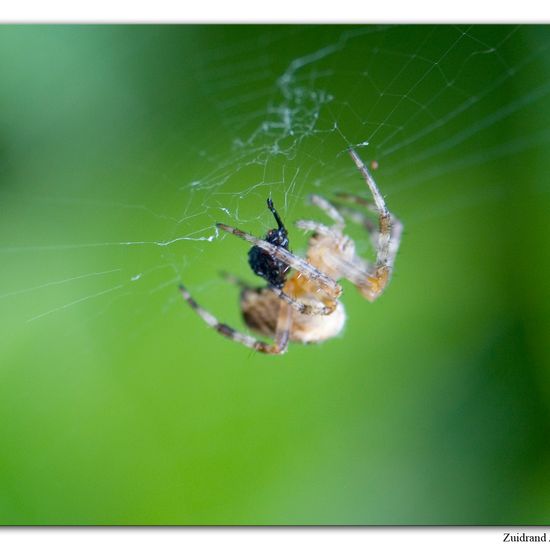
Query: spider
[(304, 307)]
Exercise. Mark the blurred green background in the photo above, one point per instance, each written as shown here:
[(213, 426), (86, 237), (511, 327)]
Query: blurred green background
[(121, 146)]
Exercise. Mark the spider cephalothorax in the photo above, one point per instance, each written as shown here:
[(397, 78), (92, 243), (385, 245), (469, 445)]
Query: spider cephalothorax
[(266, 265), (305, 307)]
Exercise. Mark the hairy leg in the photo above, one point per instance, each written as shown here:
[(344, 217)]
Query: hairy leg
[(326, 283), (389, 237), (329, 209), (282, 334)]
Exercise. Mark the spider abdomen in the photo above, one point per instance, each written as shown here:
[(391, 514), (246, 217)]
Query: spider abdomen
[(311, 329), (260, 308)]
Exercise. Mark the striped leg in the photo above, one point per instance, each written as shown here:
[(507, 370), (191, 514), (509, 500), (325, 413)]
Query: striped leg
[(329, 209), (300, 307), (389, 236), (328, 285), (282, 332), (321, 229), (360, 218), (234, 280), (306, 309)]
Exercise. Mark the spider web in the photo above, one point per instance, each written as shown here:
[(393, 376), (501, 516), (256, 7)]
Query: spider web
[(237, 115)]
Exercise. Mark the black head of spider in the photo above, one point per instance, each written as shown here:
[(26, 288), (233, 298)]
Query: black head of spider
[(264, 264)]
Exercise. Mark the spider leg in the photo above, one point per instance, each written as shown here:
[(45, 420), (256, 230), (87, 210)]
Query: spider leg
[(316, 227), (360, 218), (320, 308), (282, 331), (327, 284), (335, 234), (329, 209), (362, 201), (234, 280), (281, 337), (300, 307), (389, 236), (376, 195)]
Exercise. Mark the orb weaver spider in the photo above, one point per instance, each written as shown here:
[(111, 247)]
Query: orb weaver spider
[(305, 306)]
